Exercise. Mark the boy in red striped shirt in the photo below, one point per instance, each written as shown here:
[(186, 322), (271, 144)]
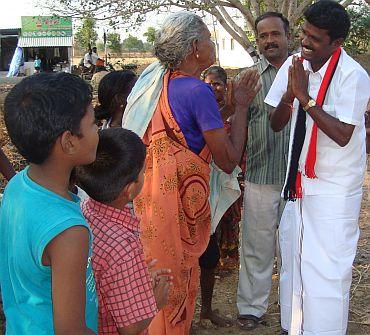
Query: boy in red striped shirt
[(128, 299)]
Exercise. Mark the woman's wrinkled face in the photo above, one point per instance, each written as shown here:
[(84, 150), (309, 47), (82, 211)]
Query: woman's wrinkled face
[(205, 50), (218, 86)]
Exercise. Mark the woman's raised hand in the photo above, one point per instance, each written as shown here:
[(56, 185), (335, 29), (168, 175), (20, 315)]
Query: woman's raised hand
[(246, 85)]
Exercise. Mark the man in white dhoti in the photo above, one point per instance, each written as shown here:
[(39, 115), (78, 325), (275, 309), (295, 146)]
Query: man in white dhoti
[(325, 92)]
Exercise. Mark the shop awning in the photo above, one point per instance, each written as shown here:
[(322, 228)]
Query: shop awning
[(37, 42)]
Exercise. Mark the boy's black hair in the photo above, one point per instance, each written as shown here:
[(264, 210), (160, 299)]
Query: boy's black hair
[(218, 70), (119, 159), (42, 107), (112, 88), (331, 16), (273, 14)]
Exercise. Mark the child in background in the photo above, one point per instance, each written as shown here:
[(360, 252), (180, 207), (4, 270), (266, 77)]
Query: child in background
[(216, 77), (46, 276), (114, 88), (227, 233), (37, 64), (228, 228), (127, 302)]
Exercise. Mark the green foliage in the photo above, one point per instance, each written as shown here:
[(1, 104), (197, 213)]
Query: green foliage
[(131, 13), (114, 42), (358, 39), (86, 35), (132, 43), (100, 45), (150, 35), (148, 46)]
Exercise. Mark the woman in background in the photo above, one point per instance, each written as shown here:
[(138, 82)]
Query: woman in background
[(223, 242)]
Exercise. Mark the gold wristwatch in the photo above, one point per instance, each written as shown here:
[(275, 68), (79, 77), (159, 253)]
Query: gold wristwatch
[(310, 103)]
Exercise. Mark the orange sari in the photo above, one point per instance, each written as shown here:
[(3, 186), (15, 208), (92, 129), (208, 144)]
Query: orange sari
[(175, 214)]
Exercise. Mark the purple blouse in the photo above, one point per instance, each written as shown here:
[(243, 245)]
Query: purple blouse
[(195, 109)]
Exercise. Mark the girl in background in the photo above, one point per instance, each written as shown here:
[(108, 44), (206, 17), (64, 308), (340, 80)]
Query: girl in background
[(113, 91)]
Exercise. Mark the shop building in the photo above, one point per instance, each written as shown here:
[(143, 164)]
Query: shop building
[(48, 37)]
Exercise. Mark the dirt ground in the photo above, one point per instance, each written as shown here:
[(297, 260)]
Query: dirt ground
[(226, 284)]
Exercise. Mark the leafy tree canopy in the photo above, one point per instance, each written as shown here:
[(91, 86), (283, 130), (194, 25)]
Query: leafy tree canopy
[(359, 37), (86, 35), (229, 13), (150, 35), (114, 42), (132, 43)]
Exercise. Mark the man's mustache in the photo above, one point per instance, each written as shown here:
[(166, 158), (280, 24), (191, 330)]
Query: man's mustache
[(271, 45)]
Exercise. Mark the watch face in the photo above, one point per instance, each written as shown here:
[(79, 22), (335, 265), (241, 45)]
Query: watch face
[(311, 103)]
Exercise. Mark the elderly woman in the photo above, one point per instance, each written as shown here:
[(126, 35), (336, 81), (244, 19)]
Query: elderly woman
[(178, 118)]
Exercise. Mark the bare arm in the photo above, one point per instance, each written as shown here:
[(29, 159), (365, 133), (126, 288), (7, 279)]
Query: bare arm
[(67, 255), (338, 131), (136, 328), (6, 167), (280, 116), (162, 282), (161, 288), (228, 150)]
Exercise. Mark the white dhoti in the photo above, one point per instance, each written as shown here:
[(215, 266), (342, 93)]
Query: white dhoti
[(318, 239)]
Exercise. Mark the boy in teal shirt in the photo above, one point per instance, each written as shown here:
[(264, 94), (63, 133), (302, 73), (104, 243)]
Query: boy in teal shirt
[(37, 64), (45, 269)]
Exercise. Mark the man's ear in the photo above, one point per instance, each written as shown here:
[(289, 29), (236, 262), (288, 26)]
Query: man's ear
[(68, 142)]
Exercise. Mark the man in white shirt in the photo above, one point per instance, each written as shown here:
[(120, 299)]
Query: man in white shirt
[(325, 92), (88, 61), (94, 56), (264, 178)]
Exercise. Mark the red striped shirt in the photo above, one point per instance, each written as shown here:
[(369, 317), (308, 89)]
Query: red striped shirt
[(123, 283)]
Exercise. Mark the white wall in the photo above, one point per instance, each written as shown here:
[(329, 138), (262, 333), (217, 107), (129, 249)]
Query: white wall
[(231, 53)]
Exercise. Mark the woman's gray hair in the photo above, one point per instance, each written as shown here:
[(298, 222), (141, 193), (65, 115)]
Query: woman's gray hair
[(174, 40)]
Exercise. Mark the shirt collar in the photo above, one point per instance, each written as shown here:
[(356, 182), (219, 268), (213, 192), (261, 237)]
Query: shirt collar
[(265, 64), (125, 216), (321, 71)]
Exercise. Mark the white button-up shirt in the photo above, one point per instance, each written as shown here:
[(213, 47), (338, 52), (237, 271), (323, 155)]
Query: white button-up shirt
[(339, 170), (94, 58)]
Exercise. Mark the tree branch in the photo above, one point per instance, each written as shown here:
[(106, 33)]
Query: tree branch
[(346, 3), (255, 7), (270, 4), (245, 11), (122, 11), (291, 10), (243, 41), (230, 21), (299, 10), (284, 8)]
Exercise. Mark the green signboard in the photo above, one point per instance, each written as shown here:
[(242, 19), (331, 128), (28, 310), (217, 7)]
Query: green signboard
[(46, 26)]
